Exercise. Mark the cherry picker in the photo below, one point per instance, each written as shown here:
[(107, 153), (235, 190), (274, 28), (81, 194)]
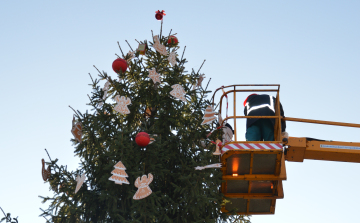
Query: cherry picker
[(253, 171)]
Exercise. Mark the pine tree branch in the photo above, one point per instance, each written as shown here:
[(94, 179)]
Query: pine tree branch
[(3, 211), (183, 54), (201, 66), (48, 154), (129, 45), (161, 28), (97, 70), (74, 110), (121, 49)]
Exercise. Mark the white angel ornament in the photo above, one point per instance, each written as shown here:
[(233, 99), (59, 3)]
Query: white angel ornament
[(143, 186), (122, 103)]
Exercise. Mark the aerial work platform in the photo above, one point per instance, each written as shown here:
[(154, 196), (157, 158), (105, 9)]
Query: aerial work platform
[(253, 171)]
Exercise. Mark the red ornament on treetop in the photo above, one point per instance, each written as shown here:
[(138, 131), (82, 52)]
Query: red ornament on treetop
[(173, 41), (159, 14), (142, 139), (119, 65)]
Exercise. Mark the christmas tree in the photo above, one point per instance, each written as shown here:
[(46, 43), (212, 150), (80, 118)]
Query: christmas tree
[(8, 218), (153, 94)]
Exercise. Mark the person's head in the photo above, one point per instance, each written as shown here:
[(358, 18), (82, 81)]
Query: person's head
[(247, 98)]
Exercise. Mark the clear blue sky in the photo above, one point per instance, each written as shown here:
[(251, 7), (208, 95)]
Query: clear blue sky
[(310, 48)]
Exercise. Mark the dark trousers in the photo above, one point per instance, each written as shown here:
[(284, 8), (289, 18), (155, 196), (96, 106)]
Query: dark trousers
[(261, 130)]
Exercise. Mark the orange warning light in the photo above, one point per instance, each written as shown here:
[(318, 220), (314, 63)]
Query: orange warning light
[(235, 174), (272, 185), (235, 164)]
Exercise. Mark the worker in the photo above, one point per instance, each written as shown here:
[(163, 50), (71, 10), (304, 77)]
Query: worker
[(259, 129)]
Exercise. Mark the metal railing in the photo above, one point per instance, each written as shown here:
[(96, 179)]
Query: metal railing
[(234, 90)]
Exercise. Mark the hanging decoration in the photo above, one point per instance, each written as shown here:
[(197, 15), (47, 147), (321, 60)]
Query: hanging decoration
[(119, 175), (122, 103), (105, 90), (220, 120), (217, 144), (158, 46), (228, 133), (45, 172), (131, 54), (119, 65), (215, 165), (172, 58), (154, 76), (152, 138), (159, 14), (178, 92), (199, 81), (209, 115), (203, 143), (143, 187), (76, 130), (142, 48), (173, 41), (148, 112), (142, 139), (80, 181)]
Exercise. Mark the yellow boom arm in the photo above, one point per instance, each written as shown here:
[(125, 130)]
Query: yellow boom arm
[(307, 148)]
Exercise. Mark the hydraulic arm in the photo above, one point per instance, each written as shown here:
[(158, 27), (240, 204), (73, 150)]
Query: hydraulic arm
[(308, 148), (298, 149)]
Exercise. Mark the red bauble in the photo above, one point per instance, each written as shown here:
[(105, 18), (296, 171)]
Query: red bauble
[(173, 41), (142, 139), (119, 65), (159, 14)]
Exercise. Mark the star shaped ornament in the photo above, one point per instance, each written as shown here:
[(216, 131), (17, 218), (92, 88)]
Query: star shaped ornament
[(154, 76)]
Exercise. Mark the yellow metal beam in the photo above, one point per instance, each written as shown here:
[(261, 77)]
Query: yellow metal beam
[(333, 151), (300, 149), (321, 122)]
